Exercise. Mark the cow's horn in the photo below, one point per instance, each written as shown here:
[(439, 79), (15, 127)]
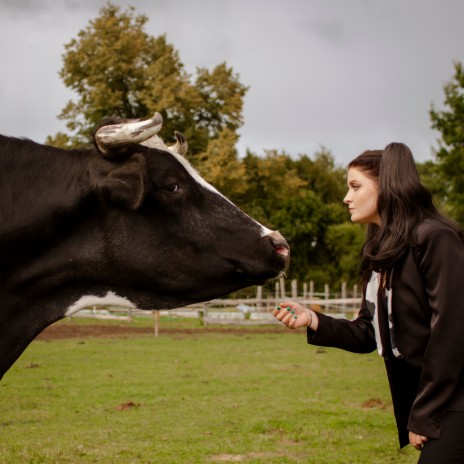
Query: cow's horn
[(181, 145), (129, 133)]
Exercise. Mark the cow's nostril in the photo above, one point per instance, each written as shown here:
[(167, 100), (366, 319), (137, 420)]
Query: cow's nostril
[(282, 250), (280, 244)]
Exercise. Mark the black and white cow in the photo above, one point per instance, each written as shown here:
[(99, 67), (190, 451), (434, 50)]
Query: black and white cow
[(130, 223)]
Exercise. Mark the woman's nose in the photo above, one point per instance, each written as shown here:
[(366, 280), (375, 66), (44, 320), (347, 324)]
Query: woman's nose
[(347, 198)]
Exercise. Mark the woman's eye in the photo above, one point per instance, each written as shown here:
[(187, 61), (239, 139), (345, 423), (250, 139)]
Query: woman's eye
[(171, 187)]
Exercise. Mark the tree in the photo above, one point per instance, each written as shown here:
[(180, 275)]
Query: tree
[(221, 167), (117, 69), (323, 176), (218, 115), (307, 222), (450, 153), (271, 180), (344, 242), (222, 95), (431, 177), (302, 198)]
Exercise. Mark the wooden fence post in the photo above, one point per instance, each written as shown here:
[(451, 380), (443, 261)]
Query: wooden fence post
[(282, 287), (203, 314), (343, 296), (259, 297), (156, 315), (311, 289), (294, 289), (326, 291)]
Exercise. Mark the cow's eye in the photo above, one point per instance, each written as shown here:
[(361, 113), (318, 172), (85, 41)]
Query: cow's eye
[(171, 187)]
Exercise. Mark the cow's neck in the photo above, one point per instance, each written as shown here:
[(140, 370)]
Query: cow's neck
[(39, 190), (45, 207), (44, 195)]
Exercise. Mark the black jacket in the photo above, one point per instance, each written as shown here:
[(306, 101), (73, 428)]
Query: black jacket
[(428, 320)]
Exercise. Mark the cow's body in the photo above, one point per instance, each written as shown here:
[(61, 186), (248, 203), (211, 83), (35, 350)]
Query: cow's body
[(142, 229)]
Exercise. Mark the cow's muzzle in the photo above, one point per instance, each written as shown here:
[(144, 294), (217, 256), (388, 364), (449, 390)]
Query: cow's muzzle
[(280, 244)]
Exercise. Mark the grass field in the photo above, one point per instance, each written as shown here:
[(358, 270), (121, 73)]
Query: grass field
[(201, 397)]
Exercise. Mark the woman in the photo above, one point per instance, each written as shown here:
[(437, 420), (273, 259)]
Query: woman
[(412, 311)]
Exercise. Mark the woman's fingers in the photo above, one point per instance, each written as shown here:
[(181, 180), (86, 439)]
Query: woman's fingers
[(292, 322), (417, 441), (287, 314)]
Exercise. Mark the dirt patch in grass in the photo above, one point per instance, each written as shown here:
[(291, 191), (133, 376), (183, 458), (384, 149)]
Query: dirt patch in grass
[(60, 331), (372, 403), (243, 457), (128, 405)]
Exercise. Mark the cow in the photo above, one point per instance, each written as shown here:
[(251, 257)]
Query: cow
[(129, 222)]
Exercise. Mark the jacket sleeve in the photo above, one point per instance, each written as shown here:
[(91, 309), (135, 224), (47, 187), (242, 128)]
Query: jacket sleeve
[(356, 336), (441, 265)]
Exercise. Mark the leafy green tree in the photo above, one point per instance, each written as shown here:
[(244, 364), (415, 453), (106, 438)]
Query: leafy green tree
[(450, 153), (217, 117), (305, 221), (222, 99), (431, 177), (302, 198), (344, 242), (271, 180), (221, 166), (117, 69), (323, 175)]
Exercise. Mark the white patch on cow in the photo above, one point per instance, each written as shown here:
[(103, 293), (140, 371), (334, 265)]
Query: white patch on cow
[(157, 142), (265, 231), (88, 301), (194, 173), (196, 176)]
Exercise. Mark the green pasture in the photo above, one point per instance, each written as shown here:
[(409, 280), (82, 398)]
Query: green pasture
[(201, 397)]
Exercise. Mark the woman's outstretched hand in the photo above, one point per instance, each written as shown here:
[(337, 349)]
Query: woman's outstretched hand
[(293, 315)]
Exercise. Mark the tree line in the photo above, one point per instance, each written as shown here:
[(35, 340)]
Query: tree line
[(116, 69)]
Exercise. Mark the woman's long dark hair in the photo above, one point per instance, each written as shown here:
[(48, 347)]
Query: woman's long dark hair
[(403, 203)]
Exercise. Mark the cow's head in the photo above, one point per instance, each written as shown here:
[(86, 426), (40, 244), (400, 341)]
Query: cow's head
[(131, 223), (175, 238)]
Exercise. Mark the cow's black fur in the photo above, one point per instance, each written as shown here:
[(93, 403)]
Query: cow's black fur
[(74, 224)]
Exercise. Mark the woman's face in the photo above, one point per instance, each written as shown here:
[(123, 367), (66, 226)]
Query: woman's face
[(362, 197)]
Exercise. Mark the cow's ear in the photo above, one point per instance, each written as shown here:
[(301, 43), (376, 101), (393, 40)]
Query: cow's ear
[(126, 184)]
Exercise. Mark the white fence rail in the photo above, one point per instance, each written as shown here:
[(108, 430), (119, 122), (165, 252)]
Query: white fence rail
[(235, 311), (244, 310)]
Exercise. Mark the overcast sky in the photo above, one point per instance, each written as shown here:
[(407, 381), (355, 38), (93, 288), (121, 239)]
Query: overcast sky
[(344, 74)]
